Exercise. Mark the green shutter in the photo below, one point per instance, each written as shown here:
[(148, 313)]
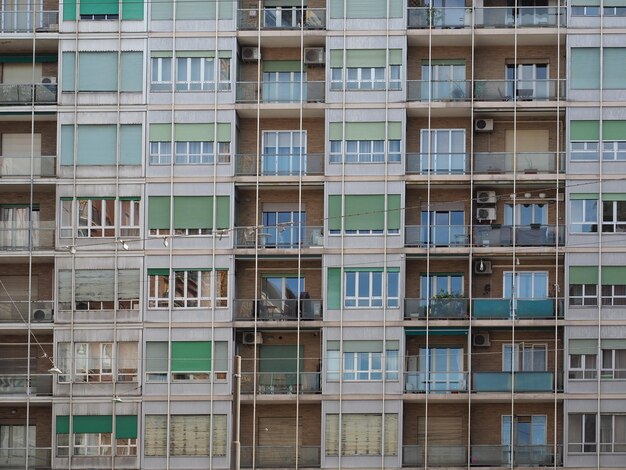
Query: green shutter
[(583, 346), (333, 289), (613, 3), (335, 131), (68, 75), (203, 10), (336, 58), (366, 58), (613, 76), (395, 57), (282, 66), (220, 356), (613, 343), (69, 10), (583, 275), (193, 212), (159, 212), (362, 269), (614, 196), (613, 275), (614, 130), (366, 8), (99, 7), (586, 3), (393, 212), (196, 53), (160, 132), (364, 212), (126, 427), (584, 130), (161, 53), (130, 144), (223, 132), (585, 68), (222, 219), (158, 272), (365, 130), (63, 424), (67, 144), (283, 3), (162, 10), (582, 196), (97, 144), (282, 359), (363, 346), (92, 424), (132, 71), (132, 9), (334, 212), (191, 356), (97, 71), (394, 130), (196, 132)]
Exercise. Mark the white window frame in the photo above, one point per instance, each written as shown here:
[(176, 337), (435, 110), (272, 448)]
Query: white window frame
[(93, 226), (366, 78), (442, 161), (92, 444), (369, 301), (84, 355), (126, 446), (588, 368), (585, 10), (154, 299), (586, 212), (520, 358), (535, 279), (194, 152), (611, 297), (160, 153), (132, 208), (614, 150), (610, 446), (187, 301), (158, 79), (365, 151), (608, 371), (614, 12), (584, 151), (587, 298), (513, 213), (194, 295), (388, 365), (296, 158)]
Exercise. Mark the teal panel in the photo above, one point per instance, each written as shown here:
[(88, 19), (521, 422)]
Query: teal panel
[(69, 10), (333, 289), (492, 382), (585, 68), (162, 10), (68, 73), (96, 145), (132, 71), (97, 71), (132, 9), (67, 144), (533, 381), (130, 144), (491, 308), (535, 308), (436, 331)]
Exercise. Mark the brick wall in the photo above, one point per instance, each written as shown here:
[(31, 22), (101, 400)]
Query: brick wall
[(47, 129), (39, 416)]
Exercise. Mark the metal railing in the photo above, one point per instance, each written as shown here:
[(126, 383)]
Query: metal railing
[(506, 455), (278, 309), (40, 237), (522, 162), (443, 17), (281, 92), (519, 235), (548, 308), (17, 311), (277, 383), (279, 165), (520, 17), (435, 382), (436, 309), (23, 94), (437, 163), (521, 382), (27, 21), (280, 456), (24, 165), (438, 90), (281, 18), (283, 236), (436, 235), (438, 455), (24, 384), (519, 90), (15, 457)]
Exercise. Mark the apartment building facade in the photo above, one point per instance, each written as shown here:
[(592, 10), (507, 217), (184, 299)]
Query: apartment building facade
[(402, 219)]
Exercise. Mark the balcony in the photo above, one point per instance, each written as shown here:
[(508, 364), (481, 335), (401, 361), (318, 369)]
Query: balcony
[(436, 309), (279, 165), (513, 456), (280, 456), (438, 90), (281, 383), (520, 381), (520, 17), (438, 456), (278, 309), (279, 236), (439, 18), (519, 235), (27, 21), (436, 163), (281, 92), (24, 166), (17, 94), (522, 90), (15, 457), (436, 235), (520, 309), (17, 311), (435, 382), (286, 17), (522, 162), (40, 237), (20, 384)]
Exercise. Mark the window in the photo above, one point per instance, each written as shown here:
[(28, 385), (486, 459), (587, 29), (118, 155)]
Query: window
[(527, 81), (192, 288), (284, 152), (94, 289), (526, 285), (161, 74), (283, 229), (523, 357), (443, 285), (284, 87), (612, 433), (364, 289), (284, 16), (192, 74), (525, 214), (529, 435), (96, 217), (189, 153), (188, 361), (93, 435), (614, 216), (20, 225), (193, 215), (365, 151), (614, 11), (13, 443), (366, 78), (129, 217), (582, 366), (101, 145), (102, 71), (443, 228), (583, 294), (584, 140), (443, 81), (613, 295), (580, 151), (96, 10), (361, 434), (613, 364), (363, 361), (364, 214), (613, 150), (95, 362), (189, 435), (584, 215), (582, 433), (440, 370), (585, 10), (442, 151)]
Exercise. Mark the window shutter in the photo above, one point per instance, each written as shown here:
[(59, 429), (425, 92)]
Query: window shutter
[(162, 10), (585, 68), (584, 130), (97, 145), (193, 212), (156, 356), (159, 212), (130, 144), (223, 212), (97, 71), (132, 71), (189, 435), (365, 130), (613, 275), (393, 212), (585, 3), (132, 9), (391, 434), (366, 58), (155, 441), (92, 424), (63, 424), (442, 430), (583, 274), (583, 346), (332, 434), (366, 9), (220, 356), (128, 284), (613, 75), (126, 427), (282, 359), (582, 196), (160, 132), (614, 196), (191, 356), (333, 289), (69, 10), (614, 130), (364, 212), (613, 343), (67, 144), (220, 436), (99, 7), (128, 355), (64, 284), (69, 64), (94, 285), (334, 212), (196, 132)]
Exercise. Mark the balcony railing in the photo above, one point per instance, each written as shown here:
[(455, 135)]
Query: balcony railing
[(523, 456), (436, 309), (520, 381), (437, 163), (436, 235), (15, 457), (21, 384), (438, 456), (279, 165), (40, 237), (27, 21), (17, 311), (17, 94), (520, 17), (280, 456), (520, 90), (438, 90), (25, 166), (281, 237), (278, 309), (518, 308), (277, 383), (524, 162), (281, 92), (282, 18), (435, 382), (444, 17), (520, 235)]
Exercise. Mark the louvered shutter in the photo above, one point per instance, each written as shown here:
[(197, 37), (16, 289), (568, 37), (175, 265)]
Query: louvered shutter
[(219, 435), (441, 430), (155, 439)]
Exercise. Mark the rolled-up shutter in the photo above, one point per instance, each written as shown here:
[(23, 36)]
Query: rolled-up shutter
[(155, 436)]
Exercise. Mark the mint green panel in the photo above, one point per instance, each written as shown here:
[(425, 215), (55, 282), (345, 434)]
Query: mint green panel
[(162, 10), (132, 71), (366, 58), (282, 66), (67, 144), (614, 61), (613, 275), (333, 288), (160, 133), (132, 9), (158, 212), (584, 130), (191, 356), (193, 212), (393, 212), (99, 7), (69, 10), (583, 275), (614, 130), (130, 144), (68, 74), (222, 219), (97, 71), (585, 68), (96, 145)]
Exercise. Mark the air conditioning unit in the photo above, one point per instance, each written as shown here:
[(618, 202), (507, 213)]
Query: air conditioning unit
[(481, 340), (483, 125), (314, 55), (486, 213), (252, 338), (42, 315), (250, 54), (482, 267), (49, 80), (486, 197)]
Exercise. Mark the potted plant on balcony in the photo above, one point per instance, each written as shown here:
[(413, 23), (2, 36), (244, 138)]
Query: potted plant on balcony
[(447, 305)]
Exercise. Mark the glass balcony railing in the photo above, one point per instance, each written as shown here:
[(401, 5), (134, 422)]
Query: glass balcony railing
[(520, 90), (522, 162), (279, 165), (435, 456), (27, 21), (520, 17), (286, 17), (281, 92), (438, 90), (281, 237), (436, 235), (23, 384), (442, 17), (435, 382), (27, 166), (520, 308), (436, 309), (17, 311), (519, 381), (40, 237), (520, 235), (278, 309), (286, 456), (514, 456), (277, 383), (15, 457), (437, 163), (17, 94)]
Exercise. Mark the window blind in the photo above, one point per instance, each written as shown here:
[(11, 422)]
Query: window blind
[(155, 435), (193, 10), (189, 212), (364, 212), (156, 356), (366, 57), (89, 285), (69, 64), (191, 356), (365, 130), (132, 71), (362, 345), (583, 274), (585, 68), (126, 426), (614, 130), (189, 435), (613, 76), (583, 346), (220, 356), (333, 288), (128, 284), (96, 145), (355, 9), (97, 71), (361, 434), (99, 7), (130, 144), (442, 430), (613, 275), (584, 130), (132, 9)]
